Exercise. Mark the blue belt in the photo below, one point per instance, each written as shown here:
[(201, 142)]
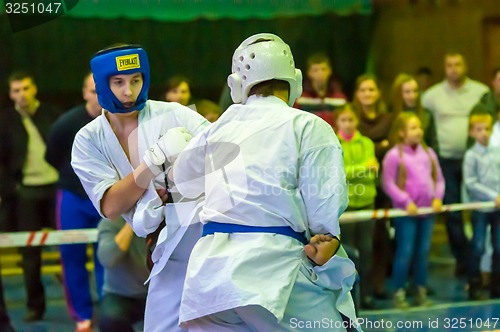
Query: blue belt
[(216, 227)]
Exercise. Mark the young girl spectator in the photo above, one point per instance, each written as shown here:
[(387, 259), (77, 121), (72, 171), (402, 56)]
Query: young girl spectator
[(361, 169), (360, 163), (375, 123), (412, 178), (406, 98)]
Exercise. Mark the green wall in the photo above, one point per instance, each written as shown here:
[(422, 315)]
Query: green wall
[(58, 52)]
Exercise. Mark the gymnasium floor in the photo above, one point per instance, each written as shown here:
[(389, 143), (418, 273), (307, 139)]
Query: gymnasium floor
[(451, 310)]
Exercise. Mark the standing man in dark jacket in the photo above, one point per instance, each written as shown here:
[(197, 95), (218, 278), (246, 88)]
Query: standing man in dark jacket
[(27, 180), (74, 208)]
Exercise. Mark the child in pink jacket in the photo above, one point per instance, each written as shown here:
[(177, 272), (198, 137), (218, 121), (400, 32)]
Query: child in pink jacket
[(412, 178)]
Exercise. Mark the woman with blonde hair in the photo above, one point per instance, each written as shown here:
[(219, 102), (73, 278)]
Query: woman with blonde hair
[(374, 120), (405, 97), (375, 123)]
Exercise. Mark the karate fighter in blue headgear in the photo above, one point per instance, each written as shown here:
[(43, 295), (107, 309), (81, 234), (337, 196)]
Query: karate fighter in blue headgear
[(120, 158)]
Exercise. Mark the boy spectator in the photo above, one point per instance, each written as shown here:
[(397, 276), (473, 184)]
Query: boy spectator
[(322, 93), (482, 179)]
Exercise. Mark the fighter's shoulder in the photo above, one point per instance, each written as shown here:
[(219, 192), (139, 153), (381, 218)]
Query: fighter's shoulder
[(177, 115), (313, 131), (90, 130), (160, 107), (305, 118)]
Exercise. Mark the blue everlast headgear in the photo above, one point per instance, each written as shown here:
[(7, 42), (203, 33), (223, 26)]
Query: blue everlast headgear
[(121, 60)]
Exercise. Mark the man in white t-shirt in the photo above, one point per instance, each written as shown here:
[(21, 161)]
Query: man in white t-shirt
[(450, 102)]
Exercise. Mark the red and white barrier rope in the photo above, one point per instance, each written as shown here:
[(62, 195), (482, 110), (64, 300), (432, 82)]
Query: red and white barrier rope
[(357, 216), (46, 238)]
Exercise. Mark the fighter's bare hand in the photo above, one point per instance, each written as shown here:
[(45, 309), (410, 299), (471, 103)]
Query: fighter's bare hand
[(163, 193), (321, 248)]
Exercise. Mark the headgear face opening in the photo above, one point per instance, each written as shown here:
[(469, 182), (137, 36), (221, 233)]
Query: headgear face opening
[(263, 57), (120, 60)]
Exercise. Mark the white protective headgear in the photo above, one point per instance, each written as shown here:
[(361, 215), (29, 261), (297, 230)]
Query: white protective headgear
[(263, 57)]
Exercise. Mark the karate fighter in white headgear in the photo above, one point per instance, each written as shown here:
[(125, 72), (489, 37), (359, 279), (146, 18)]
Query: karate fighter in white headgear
[(120, 155), (274, 184)]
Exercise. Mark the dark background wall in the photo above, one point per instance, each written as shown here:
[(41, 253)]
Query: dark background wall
[(58, 52), (410, 34), (398, 36)]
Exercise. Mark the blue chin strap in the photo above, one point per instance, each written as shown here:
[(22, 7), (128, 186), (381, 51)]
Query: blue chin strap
[(122, 60)]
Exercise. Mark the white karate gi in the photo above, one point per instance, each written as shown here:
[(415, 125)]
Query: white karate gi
[(286, 169), (99, 161)]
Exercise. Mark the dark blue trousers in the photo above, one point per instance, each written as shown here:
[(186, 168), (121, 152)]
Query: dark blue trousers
[(74, 212)]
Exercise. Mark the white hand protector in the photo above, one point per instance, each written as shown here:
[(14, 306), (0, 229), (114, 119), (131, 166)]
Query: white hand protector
[(167, 148)]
